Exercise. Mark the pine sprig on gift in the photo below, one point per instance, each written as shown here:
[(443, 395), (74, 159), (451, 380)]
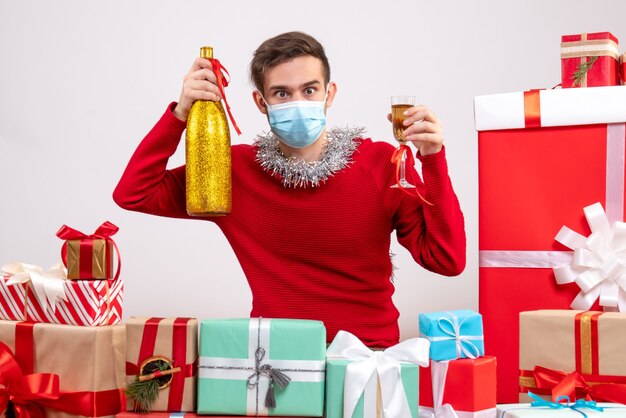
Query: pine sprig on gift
[(582, 70), (144, 394)]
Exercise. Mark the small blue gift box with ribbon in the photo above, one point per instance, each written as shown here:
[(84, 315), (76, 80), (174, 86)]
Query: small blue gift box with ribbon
[(453, 334)]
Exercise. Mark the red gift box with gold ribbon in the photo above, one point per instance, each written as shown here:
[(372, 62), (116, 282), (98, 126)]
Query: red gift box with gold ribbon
[(61, 371), (579, 354), (589, 60), (544, 156), (90, 256), (173, 341)]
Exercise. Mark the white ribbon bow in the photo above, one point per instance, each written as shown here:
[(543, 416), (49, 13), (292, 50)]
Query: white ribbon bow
[(438, 371), (452, 328), (598, 265), (387, 366), (47, 285)]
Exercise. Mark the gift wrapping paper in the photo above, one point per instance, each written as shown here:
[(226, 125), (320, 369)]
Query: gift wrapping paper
[(241, 362), (557, 343), (89, 363), (176, 339), (453, 334), (525, 410), (622, 68), (597, 51), (469, 386), (87, 303), (532, 146)]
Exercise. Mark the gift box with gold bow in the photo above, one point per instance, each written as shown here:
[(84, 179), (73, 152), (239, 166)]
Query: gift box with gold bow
[(61, 371), (544, 156), (578, 354), (589, 60), (161, 357)]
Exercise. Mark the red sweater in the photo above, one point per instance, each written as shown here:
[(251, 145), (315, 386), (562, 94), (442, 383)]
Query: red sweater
[(318, 252)]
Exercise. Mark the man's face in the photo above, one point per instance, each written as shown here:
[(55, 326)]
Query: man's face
[(301, 78)]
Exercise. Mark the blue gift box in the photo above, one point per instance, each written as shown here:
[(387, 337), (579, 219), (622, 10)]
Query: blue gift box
[(453, 334)]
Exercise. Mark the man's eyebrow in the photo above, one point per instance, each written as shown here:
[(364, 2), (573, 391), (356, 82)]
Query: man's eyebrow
[(307, 84)]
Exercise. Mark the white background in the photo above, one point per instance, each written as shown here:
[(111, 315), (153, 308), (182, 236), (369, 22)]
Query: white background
[(81, 83)]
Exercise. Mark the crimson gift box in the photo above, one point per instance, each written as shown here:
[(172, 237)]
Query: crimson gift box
[(542, 157), (597, 51), (470, 387)]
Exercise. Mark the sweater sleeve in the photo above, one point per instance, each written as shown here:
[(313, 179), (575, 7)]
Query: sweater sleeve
[(434, 234), (147, 185)]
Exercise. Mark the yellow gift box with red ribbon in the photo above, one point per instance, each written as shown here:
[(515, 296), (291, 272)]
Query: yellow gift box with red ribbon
[(579, 354), (89, 256)]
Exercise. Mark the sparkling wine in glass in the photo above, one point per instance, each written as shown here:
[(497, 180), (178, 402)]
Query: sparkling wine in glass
[(398, 105)]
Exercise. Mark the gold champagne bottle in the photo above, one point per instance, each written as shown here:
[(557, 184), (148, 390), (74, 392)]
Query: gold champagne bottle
[(208, 162)]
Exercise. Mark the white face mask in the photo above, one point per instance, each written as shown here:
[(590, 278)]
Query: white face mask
[(299, 123)]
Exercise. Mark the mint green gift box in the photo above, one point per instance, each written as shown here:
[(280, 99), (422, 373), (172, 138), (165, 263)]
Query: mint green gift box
[(363, 383), (241, 358), (335, 375)]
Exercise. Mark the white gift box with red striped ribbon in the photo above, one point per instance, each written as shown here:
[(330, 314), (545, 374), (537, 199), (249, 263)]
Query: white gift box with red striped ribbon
[(77, 302)]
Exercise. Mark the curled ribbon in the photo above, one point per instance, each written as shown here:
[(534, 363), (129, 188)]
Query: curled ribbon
[(563, 402), (453, 329), (222, 81), (104, 231), (24, 391), (575, 386), (438, 371), (48, 286), (386, 364), (598, 265), (396, 159)]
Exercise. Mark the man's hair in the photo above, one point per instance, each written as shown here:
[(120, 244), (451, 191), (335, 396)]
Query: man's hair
[(283, 48)]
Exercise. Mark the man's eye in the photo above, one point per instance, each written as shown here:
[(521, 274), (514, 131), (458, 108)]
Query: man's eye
[(310, 91), (282, 94)]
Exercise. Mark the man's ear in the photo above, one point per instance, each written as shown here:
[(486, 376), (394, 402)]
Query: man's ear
[(332, 91), (259, 102)]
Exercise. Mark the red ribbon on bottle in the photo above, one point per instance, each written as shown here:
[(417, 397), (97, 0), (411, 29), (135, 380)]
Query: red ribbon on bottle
[(31, 392), (222, 82), (104, 231), (396, 159), (179, 357)]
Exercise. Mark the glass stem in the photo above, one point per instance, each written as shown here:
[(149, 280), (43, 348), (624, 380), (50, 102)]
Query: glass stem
[(403, 167)]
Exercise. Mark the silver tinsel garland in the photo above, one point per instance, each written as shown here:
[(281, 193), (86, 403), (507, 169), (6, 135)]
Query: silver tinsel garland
[(299, 173)]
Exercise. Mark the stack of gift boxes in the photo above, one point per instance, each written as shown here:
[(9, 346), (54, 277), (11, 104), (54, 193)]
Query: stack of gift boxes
[(552, 252), (64, 352), (551, 237)]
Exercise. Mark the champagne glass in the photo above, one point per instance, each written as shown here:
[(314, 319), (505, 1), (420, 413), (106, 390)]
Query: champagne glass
[(398, 105)]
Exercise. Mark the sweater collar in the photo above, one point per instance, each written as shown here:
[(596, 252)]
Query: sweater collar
[(298, 173)]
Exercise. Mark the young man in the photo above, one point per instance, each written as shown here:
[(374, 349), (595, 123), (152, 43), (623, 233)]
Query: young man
[(312, 209)]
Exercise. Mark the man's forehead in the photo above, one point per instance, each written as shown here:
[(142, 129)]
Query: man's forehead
[(295, 73)]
